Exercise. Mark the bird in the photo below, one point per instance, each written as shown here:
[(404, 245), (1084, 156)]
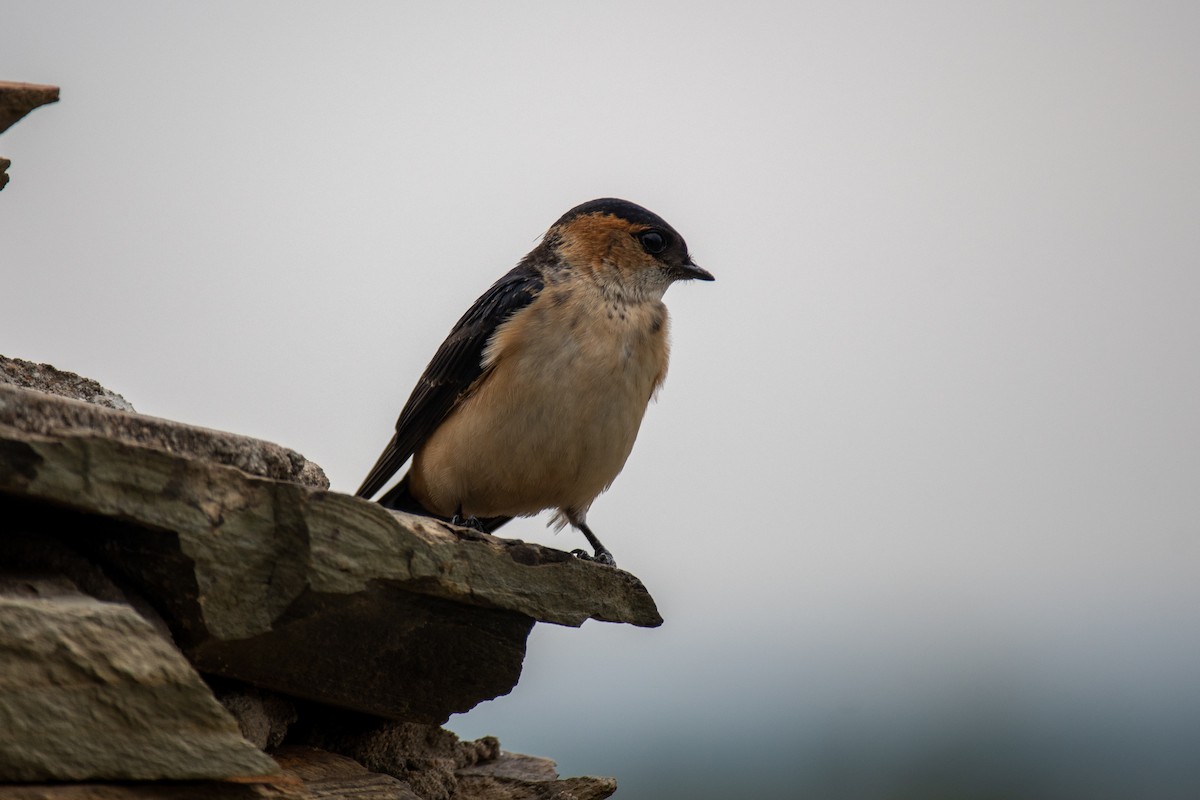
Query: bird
[(535, 398)]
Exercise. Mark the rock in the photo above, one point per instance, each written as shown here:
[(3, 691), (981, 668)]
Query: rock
[(513, 776), (18, 99), (382, 651), (305, 774), (327, 775), (41, 550), (36, 412), (488, 788), (250, 535), (314, 615), (262, 717), (514, 766), (416, 619), (440, 767), (423, 756), (89, 690), (45, 378), (208, 790)]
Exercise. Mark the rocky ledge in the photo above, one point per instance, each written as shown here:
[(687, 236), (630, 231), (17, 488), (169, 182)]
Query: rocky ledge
[(185, 605), (17, 100)]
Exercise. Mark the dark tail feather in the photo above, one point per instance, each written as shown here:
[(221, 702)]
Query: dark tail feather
[(399, 498)]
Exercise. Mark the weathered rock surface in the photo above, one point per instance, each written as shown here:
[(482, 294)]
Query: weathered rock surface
[(38, 412), (513, 776), (327, 775), (440, 767), (305, 774), (263, 541), (89, 689), (249, 572), (513, 766), (308, 773), (262, 717), (489, 788), (48, 379), (312, 613), (17, 100), (424, 756)]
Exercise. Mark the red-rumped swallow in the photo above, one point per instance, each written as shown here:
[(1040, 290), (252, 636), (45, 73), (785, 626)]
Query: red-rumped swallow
[(535, 398)]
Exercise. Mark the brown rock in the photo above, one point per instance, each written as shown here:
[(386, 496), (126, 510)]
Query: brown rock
[(416, 619), (423, 756), (288, 587), (305, 774), (40, 550), (327, 775), (89, 690), (440, 767), (207, 790), (487, 788), (36, 412), (45, 378), (513, 776), (514, 766), (383, 651), (262, 717), (18, 99)]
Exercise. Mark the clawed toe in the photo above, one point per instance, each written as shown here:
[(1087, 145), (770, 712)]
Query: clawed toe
[(469, 522), (602, 556)]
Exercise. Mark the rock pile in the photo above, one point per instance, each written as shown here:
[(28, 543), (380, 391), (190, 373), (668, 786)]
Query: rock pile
[(189, 613)]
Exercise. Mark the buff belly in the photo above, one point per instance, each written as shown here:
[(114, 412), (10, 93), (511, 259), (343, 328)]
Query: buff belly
[(555, 417)]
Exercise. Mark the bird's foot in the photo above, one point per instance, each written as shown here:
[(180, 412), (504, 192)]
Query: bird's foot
[(602, 556), (468, 522)]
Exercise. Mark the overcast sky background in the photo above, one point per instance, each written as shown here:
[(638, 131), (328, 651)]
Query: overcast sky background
[(920, 500)]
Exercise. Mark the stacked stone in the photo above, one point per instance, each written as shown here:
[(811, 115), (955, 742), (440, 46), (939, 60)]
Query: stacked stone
[(194, 607)]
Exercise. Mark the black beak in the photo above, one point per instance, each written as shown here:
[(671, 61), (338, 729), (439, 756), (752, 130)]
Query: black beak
[(690, 272)]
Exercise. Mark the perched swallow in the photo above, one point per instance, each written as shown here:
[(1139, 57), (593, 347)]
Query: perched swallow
[(535, 398)]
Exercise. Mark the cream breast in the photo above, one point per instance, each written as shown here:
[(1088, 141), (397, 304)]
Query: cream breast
[(554, 418)]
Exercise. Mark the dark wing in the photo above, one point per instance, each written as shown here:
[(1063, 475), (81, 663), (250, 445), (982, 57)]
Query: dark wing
[(455, 366)]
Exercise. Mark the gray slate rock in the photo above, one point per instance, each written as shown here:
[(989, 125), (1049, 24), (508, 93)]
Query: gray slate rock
[(328, 775), (262, 717), (51, 380), (89, 690), (37, 412), (416, 619), (305, 774)]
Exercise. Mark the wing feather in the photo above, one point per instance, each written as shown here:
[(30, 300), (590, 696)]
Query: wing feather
[(456, 365)]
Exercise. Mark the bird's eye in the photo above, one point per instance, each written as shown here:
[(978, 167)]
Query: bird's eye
[(653, 242)]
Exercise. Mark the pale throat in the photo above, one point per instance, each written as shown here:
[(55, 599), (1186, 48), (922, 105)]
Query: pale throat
[(630, 287)]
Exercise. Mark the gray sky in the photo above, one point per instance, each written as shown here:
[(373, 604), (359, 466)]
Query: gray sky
[(920, 500)]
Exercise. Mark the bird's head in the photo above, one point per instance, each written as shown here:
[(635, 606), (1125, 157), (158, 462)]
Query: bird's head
[(616, 240)]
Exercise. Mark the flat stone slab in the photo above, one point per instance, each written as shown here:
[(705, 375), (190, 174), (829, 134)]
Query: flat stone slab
[(256, 543), (89, 690), (308, 773), (417, 619), (38, 412)]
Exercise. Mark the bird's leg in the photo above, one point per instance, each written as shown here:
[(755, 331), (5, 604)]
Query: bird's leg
[(466, 522), (602, 555)]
